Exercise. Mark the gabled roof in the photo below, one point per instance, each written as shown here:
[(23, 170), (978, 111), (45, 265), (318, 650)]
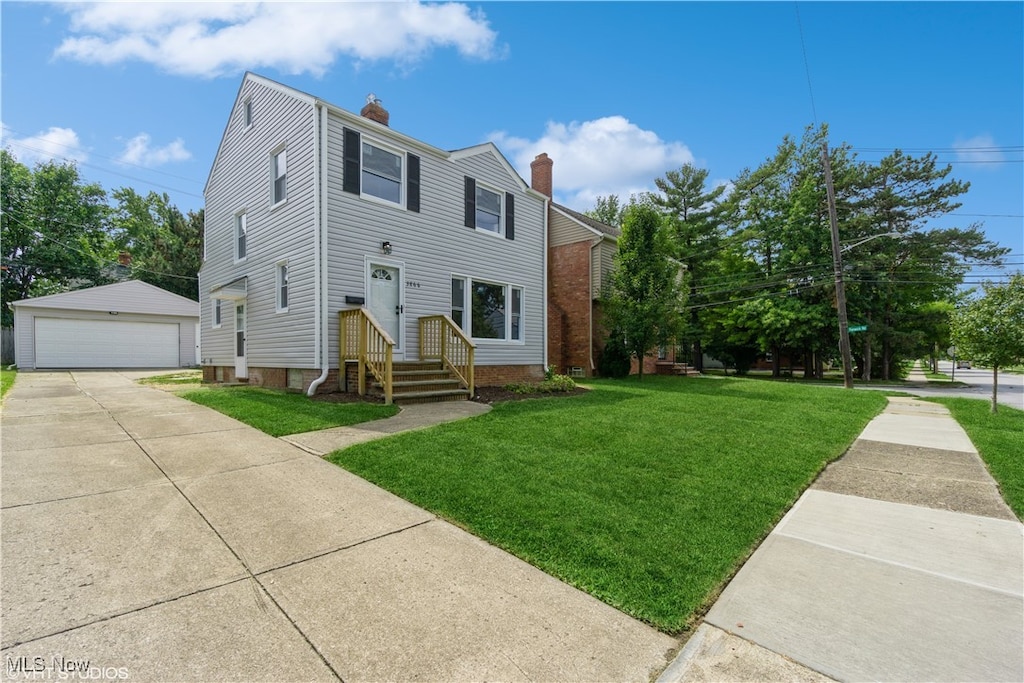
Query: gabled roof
[(133, 296), (491, 148), (596, 226), (378, 129)]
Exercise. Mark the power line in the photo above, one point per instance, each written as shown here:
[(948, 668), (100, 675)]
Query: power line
[(807, 65)]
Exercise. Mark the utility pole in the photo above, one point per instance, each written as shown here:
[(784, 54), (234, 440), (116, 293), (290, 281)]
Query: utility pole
[(837, 262)]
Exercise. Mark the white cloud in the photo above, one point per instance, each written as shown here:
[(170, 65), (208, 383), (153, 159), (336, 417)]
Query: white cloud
[(980, 150), (595, 158), (139, 152), (212, 39), (53, 144)]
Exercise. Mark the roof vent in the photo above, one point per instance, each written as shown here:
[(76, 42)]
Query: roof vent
[(374, 111)]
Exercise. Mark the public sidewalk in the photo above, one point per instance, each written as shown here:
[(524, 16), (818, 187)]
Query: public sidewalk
[(901, 563)]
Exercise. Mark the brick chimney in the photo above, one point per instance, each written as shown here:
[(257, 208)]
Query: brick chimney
[(374, 111), (540, 173), (124, 258)]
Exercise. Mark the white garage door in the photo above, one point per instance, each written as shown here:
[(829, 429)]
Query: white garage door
[(68, 343)]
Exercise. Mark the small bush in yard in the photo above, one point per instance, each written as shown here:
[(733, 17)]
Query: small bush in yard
[(556, 383)]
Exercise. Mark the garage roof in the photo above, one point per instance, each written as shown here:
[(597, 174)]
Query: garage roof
[(133, 296)]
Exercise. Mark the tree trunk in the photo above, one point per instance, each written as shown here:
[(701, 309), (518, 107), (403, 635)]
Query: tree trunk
[(808, 365), (886, 358), (776, 363), (995, 388), (867, 358), (819, 366), (698, 357)]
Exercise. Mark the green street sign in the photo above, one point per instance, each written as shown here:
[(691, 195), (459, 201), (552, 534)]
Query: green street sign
[(858, 328)]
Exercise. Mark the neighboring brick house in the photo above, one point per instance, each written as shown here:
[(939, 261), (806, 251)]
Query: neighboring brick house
[(581, 256)]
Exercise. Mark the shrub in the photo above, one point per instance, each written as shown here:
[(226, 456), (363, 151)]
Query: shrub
[(614, 361), (554, 384)]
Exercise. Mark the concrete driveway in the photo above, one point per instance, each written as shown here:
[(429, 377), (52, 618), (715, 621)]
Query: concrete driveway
[(148, 538)]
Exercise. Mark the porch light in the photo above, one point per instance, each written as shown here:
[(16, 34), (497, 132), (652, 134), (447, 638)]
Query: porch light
[(385, 248)]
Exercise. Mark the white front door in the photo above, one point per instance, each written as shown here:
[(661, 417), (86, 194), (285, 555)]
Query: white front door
[(385, 299), (241, 369)]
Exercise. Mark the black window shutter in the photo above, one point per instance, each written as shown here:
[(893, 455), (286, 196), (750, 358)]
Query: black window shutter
[(351, 155), (470, 215), (412, 195), (510, 216)]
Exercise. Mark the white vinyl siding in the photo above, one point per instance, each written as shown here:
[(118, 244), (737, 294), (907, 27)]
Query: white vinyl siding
[(435, 243), (241, 178)]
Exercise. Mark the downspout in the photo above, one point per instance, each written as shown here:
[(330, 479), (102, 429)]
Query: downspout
[(320, 345), (594, 246), (544, 288)]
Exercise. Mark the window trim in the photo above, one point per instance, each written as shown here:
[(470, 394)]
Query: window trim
[(403, 182), (217, 315), (241, 238), (478, 186), (281, 268), (247, 116), (274, 154), (467, 310)]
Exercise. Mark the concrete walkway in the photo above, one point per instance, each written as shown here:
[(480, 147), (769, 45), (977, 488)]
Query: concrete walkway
[(149, 538), (412, 417), (901, 563)]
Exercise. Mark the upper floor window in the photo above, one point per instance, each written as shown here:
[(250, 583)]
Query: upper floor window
[(282, 287), (279, 176), (371, 170), (241, 235), (382, 173), (247, 112), (489, 210)]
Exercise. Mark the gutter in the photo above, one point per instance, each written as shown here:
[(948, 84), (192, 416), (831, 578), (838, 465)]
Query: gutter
[(320, 339)]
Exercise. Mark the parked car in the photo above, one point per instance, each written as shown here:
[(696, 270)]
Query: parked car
[(963, 365)]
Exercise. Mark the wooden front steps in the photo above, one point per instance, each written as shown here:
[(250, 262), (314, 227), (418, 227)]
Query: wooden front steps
[(423, 382)]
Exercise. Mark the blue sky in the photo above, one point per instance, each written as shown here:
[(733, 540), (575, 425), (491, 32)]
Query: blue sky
[(616, 93)]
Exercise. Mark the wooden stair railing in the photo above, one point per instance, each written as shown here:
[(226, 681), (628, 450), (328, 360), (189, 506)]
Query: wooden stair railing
[(441, 339), (362, 339)]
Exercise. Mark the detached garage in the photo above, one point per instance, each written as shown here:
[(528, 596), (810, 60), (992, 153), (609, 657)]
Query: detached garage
[(124, 325)]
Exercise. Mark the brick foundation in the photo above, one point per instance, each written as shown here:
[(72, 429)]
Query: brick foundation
[(272, 378)]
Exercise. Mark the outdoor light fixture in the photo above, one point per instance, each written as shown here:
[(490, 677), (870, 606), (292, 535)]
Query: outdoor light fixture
[(385, 247)]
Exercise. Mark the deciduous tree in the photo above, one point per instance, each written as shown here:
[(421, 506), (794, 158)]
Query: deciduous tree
[(990, 329)]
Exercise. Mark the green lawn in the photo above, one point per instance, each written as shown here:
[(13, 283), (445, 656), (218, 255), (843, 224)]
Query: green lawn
[(648, 495), (279, 413), (999, 439), (6, 381)]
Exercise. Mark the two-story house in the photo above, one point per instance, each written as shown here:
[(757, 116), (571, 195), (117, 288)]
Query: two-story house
[(334, 242)]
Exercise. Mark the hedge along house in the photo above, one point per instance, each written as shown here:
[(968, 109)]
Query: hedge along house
[(333, 241)]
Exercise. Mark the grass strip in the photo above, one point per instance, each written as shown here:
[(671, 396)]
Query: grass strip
[(6, 381), (648, 495), (280, 413), (999, 438)]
